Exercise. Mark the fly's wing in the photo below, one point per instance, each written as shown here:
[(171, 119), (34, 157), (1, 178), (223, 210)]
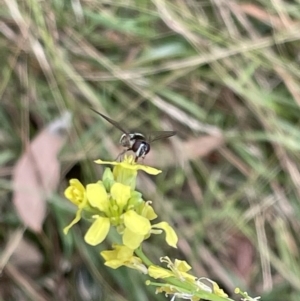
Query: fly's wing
[(157, 135), (114, 123)]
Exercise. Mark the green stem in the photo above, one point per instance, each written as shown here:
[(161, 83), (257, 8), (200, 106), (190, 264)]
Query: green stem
[(189, 288), (139, 252)]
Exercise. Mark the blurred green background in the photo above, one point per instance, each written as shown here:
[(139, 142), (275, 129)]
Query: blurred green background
[(224, 74)]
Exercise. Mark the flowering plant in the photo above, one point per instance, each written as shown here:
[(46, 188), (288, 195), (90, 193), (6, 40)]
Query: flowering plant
[(114, 202)]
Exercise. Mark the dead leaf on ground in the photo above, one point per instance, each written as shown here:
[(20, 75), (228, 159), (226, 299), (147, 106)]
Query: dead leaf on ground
[(36, 174), (242, 255), (202, 146), (163, 155)]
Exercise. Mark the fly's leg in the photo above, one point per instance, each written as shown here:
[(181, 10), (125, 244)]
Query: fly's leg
[(121, 154), (136, 158)]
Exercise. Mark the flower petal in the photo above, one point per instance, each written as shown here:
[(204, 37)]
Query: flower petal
[(182, 265), (97, 231), (171, 236), (109, 254), (114, 264), (121, 193), (99, 161), (136, 223), (75, 192), (131, 239), (97, 196), (149, 212), (69, 193), (125, 172), (148, 169), (120, 252), (158, 272), (129, 163), (111, 259)]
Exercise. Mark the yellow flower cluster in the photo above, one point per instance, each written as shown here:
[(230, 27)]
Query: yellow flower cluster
[(114, 202)]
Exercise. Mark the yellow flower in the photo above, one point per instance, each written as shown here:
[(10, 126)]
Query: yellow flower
[(121, 208), (178, 269), (110, 209), (114, 202), (122, 255), (75, 192), (125, 172), (77, 195), (124, 209)]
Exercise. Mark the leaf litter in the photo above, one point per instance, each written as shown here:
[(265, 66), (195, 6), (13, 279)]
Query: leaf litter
[(36, 174)]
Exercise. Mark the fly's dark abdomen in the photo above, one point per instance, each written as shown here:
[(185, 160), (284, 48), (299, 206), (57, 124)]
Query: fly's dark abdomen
[(141, 148)]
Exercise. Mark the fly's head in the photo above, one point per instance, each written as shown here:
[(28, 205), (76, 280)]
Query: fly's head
[(125, 141)]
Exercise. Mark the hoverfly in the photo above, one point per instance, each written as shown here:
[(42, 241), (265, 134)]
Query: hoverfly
[(137, 142)]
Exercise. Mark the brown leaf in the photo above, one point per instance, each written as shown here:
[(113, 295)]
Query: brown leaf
[(242, 255), (162, 154), (202, 146), (36, 174)]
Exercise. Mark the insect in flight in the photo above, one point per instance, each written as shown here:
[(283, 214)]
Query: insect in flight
[(137, 142)]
